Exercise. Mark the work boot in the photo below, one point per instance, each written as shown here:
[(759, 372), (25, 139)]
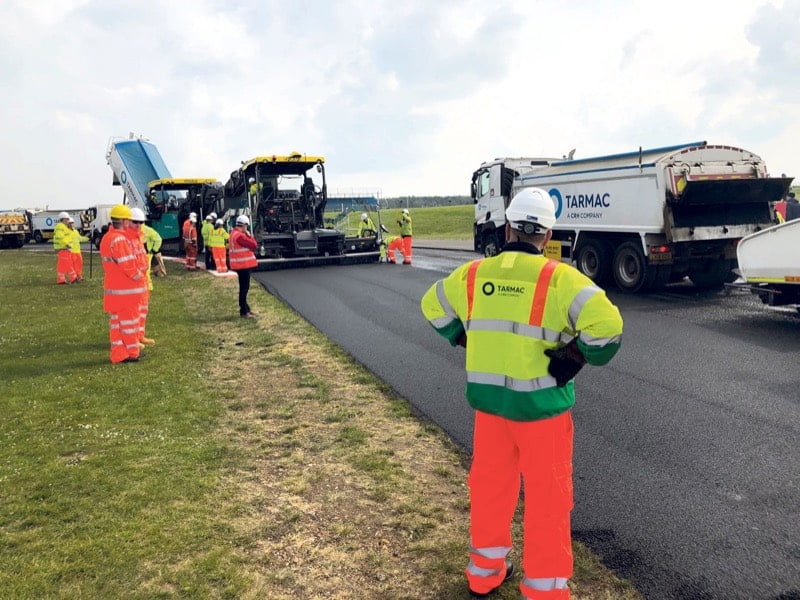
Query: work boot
[(141, 345), (509, 575), (148, 341)]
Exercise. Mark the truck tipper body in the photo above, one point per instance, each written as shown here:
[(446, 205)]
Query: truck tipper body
[(165, 200), (643, 218)]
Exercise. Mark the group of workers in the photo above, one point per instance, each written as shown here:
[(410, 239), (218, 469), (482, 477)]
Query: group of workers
[(215, 241), (67, 244), (391, 244)]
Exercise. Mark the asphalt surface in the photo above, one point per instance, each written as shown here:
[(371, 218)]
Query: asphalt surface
[(687, 462)]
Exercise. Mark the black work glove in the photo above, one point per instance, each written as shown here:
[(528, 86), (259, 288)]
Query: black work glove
[(565, 362), (462, 340)]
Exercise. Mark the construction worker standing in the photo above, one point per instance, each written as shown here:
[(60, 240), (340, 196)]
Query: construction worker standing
[(243, 260), (528, 324), (190, 241), (62, 237), (123, 285), (138, 236), (217, 242), (407, 235), (205, 232), (75, 249), (366, 228)]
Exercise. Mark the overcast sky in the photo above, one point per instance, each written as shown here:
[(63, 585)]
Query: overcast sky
[(405, 98)]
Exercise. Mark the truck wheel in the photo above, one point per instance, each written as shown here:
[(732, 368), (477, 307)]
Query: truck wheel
[(491, 244), (593, 259), (37, 237), (713, 274), (630, 269)]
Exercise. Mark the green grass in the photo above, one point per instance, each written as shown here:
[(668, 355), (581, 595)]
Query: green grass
[(436, 222), (107, 470)]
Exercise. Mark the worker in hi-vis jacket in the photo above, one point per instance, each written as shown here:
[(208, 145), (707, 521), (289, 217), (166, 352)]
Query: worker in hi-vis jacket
[(528, 324)]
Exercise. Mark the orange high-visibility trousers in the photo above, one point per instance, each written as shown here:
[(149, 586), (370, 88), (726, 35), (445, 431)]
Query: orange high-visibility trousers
[(407, 249), (191, 256), (395, 244), (65, 273), (540, 452), (123, 329), (220, 258), (77, 265)]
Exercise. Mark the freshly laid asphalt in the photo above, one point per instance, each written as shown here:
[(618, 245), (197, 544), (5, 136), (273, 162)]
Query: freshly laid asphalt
[(687, 462)]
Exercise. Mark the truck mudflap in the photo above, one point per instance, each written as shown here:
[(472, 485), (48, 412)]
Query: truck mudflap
[(274, 264)]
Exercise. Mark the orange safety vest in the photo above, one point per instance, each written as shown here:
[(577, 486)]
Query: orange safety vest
[(124, 279), (189, 232), (239, 256)]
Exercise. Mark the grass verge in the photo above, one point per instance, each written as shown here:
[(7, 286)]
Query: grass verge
[(238, 459)]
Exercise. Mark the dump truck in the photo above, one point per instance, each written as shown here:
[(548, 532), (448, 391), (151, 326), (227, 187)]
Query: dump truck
[(640, 219), (769, 266), (286, 198), (148, 184), (15, 228)]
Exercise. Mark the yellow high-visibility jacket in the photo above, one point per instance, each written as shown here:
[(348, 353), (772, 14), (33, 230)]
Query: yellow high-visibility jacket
[(61, 236), (513, 307), (218, 238), (405, 225), (75, 239)]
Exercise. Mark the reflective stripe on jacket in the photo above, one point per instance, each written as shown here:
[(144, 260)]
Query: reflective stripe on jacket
[(241, 254), (218, 238), (124, 279), (513, 307), (189, 232)]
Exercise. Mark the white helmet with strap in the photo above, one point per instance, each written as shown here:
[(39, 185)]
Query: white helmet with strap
[(531, 211)]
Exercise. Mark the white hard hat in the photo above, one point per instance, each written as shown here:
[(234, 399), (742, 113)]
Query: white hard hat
[(252, 180), (363, 216), (210, 217), (213, 214), (63, 215), (531, 211), (405, 211), (192, 214), (137, 214), (70, 220), (219, 222), (242, 220)]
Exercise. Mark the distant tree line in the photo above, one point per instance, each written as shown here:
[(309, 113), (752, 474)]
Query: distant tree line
[(423, 201)]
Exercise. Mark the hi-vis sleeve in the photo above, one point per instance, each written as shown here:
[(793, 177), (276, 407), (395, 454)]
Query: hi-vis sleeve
[(597, 321), (441, 310)]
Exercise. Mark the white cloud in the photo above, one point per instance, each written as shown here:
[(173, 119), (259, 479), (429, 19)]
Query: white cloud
[(408, 97)]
